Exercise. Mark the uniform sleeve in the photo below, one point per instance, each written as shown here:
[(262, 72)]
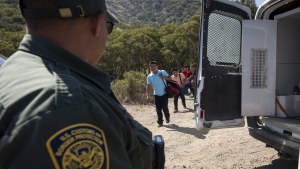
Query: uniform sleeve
[(75, 137)]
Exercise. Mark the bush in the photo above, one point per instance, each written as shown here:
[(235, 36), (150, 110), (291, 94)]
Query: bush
[(131, 89)]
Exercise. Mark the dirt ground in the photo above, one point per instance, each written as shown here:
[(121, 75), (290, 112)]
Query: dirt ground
[(185, 147)]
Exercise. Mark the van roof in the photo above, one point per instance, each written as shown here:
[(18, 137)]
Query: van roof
[(271, 8)]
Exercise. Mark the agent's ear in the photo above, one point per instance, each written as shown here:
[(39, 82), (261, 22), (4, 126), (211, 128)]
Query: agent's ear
[(97, 24)]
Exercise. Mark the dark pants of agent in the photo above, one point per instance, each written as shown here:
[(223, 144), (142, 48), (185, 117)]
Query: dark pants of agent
[(176, 100), (161, 104)]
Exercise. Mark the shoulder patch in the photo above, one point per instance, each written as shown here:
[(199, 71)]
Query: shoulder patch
[(79, 146)]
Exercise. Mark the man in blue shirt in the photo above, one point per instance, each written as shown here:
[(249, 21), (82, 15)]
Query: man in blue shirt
[(157, 80)]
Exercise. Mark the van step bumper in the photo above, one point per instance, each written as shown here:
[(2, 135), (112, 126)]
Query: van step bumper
[(280, 144)]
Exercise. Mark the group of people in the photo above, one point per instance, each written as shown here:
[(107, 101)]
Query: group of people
[(158, 80)]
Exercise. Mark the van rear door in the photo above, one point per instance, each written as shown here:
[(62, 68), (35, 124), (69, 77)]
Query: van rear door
[(2, 59), (218, 94)]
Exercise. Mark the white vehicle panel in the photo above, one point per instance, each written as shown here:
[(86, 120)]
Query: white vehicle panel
[(259, 67)]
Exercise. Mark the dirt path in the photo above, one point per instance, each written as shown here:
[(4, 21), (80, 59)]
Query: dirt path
[(219, 149)]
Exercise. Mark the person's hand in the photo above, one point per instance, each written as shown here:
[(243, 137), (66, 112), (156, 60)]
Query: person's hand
[(162, 76)]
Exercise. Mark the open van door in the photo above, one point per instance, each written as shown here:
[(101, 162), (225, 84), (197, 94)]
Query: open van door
[(218, 94), (2, 59)]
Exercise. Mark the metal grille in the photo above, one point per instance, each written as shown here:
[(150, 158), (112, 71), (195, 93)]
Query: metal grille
[(224, 38), (258, 77)]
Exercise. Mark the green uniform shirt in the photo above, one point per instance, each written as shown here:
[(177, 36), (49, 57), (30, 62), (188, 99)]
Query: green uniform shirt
[(57, 111)]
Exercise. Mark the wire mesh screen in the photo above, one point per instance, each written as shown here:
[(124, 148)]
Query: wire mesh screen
[(224, 40), (258, 76)]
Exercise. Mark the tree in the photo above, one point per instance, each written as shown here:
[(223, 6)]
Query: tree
[(251, 4), (131, 49), (181, 45), (9, 41)]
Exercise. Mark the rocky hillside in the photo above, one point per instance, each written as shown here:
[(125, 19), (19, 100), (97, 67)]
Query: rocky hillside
[(156, 12)]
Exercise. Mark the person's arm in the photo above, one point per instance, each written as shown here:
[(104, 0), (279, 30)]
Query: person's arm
[(165, 76), (184, 79), (148, 91)]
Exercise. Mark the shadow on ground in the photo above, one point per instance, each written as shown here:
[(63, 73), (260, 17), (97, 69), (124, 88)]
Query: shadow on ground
[(187, 130), (280, 164)]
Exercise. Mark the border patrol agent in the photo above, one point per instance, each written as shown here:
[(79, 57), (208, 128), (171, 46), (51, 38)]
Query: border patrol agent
[(56, 109)]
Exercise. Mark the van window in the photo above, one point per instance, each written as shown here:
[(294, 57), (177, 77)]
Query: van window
[(224, 40)]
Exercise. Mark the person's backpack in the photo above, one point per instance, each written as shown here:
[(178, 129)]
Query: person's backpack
[(172, 89)]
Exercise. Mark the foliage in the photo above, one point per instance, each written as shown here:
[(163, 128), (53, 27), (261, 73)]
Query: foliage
[(155, 12), (251, 4), (171, 38), (131, 88), (181, 45), (9, 41), (10, 17), (11, 26), (132, 49)]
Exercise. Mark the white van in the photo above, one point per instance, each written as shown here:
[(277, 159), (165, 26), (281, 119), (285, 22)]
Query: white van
[(251, 68), (2, 59)]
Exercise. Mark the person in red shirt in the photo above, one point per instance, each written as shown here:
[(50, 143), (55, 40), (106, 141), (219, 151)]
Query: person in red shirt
[(185, 70), (191, 75)]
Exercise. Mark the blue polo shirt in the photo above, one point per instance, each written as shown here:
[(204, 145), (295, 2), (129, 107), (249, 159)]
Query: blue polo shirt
[(158, 84)]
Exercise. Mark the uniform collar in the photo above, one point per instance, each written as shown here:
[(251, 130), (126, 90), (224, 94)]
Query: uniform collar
[(48, 50)]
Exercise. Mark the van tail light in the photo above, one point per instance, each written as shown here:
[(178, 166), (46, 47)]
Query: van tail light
[(202, 114)]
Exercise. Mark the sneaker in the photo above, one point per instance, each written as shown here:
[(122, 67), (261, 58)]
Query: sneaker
[(175, 111), (185, 108), (168, 120), (160, 125)]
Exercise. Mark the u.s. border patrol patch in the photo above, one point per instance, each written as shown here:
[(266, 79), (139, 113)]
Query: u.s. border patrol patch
[(80, 146)]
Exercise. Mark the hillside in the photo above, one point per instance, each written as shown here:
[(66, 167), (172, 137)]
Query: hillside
[(157, 12), (10, 16)]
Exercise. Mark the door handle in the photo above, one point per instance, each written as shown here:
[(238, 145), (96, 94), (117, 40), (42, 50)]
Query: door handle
[(234, 73)]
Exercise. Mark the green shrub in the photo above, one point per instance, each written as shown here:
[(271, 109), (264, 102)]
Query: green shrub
[(131, 89)]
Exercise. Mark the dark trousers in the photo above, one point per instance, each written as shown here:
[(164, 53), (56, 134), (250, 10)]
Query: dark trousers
[(176, 100), (161, 104)]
